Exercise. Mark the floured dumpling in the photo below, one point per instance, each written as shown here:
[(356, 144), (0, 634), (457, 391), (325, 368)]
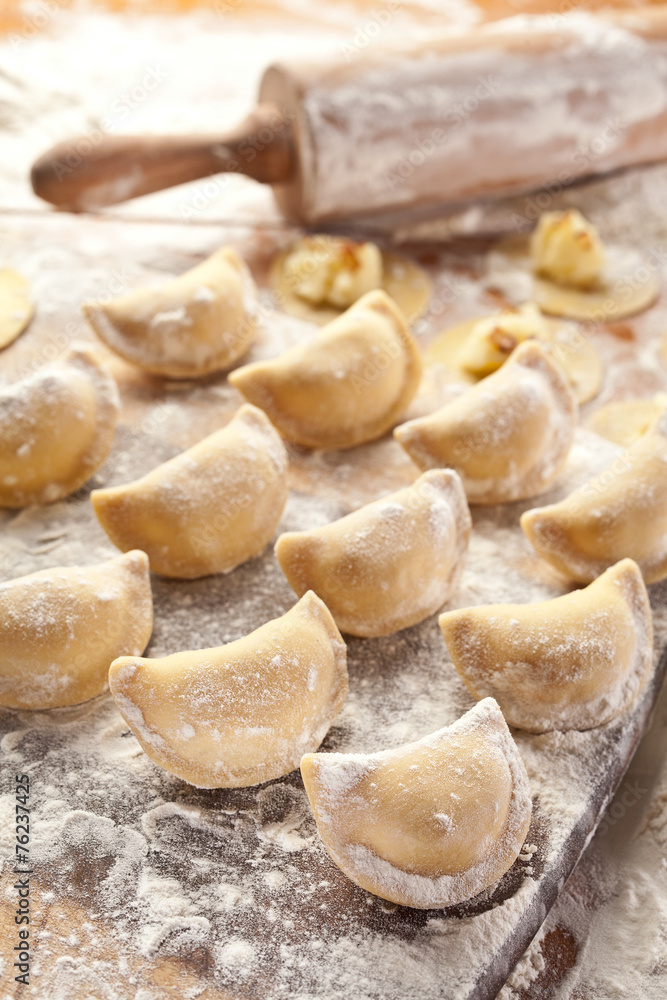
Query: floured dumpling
[(210, 508), (621, 513), (242, 713), (507, 437), (429, 824), (61, 628), (322, 274), (347, 385), (389, 564), (56, 428), (200, 322), (574, 662)]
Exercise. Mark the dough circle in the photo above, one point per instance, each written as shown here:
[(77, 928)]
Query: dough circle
[(16, 309), (406, 282), (624, 422), (573, 351), (626, 287)]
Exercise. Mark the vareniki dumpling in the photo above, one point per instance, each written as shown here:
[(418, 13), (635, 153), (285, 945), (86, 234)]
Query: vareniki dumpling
[(61, 628), (242, 713), (429, 824), (389, 564), (622, 512), (200, 322), (56, 428), (347, 385), (574, 662), (508, 436), (210, 508)]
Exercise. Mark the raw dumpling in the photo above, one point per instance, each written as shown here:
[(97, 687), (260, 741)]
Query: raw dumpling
[(574, 662), (241, 713), (56, 429), (61, 628), (347, 385), (389, 564), (210, 508), (621, 513), (431, 823), (508, 436), (198, 323)]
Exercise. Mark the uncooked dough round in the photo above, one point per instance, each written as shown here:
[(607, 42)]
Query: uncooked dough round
[(626, 287), (626, 421), (573, 351), (16, 309), (407, 283)]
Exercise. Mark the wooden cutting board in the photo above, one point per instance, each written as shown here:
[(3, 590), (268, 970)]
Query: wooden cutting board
[(144, 883)]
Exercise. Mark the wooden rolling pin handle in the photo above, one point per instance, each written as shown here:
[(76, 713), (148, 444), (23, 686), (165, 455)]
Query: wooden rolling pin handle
[(85, 174)]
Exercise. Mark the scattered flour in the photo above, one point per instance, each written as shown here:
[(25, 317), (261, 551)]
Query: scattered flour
[(139, 860), (240, 875)]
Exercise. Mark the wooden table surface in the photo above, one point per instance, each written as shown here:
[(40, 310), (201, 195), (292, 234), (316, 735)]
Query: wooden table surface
[(68, 258)]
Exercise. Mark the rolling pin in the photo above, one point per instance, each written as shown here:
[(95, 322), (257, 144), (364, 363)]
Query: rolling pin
[(414, 127)]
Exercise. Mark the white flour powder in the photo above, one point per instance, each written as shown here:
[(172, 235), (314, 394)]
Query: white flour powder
[(236, 883)]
